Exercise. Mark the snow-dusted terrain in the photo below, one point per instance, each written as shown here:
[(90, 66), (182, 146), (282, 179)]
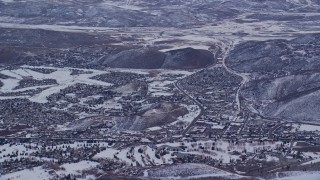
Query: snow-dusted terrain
[(159, 89), (62, 76)]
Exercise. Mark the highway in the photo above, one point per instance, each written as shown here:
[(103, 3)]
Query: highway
[(177, 85)]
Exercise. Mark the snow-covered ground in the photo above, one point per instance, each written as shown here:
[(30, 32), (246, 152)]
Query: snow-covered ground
[(25, 150), (122, 5), (158, 88), (61, 75), (186, 46), (158, 85), (36, 173), (156, 128), (313, 156), (193, 112), (188, 171), (298, 175), (76, 168), (108, 154), (133, 157), (311, 162), (7, 1), (18, 149), (222, 150), (305, 127), (39, 173)]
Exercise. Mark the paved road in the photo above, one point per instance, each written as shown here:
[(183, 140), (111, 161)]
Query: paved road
[(177, 85), (244, 77)]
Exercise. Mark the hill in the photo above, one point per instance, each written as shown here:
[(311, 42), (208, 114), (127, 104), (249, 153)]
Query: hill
[(144, 58), (285, 76)]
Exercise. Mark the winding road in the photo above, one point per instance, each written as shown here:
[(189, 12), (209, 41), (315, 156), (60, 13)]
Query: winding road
[(244, 81), (244, 77)]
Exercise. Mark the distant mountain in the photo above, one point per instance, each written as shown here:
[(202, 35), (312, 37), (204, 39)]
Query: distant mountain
[(142, 13)]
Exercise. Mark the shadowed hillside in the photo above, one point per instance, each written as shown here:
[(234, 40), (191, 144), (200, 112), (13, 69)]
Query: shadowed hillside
[(187, 58), (285, 76)]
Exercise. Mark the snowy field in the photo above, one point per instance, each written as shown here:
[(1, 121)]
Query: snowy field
[(193, 112), (188, 171), (24, 150), (298, 175), (223, 150), (305, 127), (61, 75), (157, 86), (132, 156), (219, 150), (40, 173)]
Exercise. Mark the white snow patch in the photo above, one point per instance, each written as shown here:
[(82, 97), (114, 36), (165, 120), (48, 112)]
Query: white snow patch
[(156, 128), (108, 153), (61, 75), (298, 175), (304, 127), (36, 173), (311, 162), (76, 168), (193, 112)]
